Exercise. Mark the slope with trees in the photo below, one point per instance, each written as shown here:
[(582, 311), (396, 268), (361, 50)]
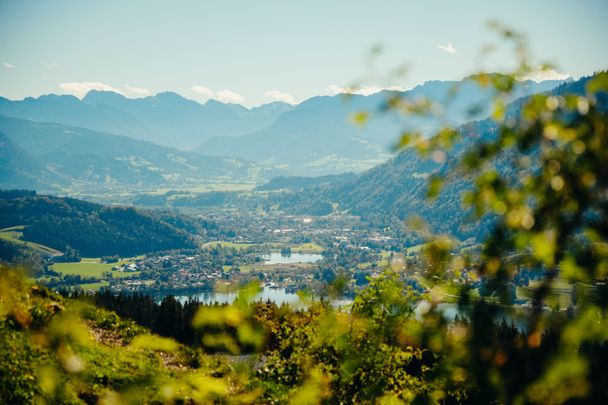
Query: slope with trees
[(92, 229), (54, 156)]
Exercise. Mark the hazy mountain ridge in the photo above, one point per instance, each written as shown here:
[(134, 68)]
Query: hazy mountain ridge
[(397, 189), (166, 118), (311, 139), (316, 137), (56, 156), (18, 169)]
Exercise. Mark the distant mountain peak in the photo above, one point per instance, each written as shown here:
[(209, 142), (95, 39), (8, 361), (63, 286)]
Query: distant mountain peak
[(274, 106), (102, 96), (170, 95), (213, 102), (63, 98), (216, 105), (166, 118)]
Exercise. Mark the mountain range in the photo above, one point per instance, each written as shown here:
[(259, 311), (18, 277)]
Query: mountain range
[(318, 137), (167, 118), (54, 157), (109, 143), (397, 190)]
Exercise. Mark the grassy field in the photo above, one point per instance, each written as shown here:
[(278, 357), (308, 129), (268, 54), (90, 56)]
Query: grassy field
[(203, 188), (227, 244), (14, 235), (307, 248), (92, 267), (246, 268), (93, 286)]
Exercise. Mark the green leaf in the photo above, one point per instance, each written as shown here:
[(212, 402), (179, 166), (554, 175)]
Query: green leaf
[(434, 189)]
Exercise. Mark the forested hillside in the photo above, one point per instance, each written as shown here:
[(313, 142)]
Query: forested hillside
[(398, 189), (92, 229), (20, 170), (301, 182), (53, 157)]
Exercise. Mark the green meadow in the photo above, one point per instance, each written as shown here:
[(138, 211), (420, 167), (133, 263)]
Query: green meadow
[(93, 267)]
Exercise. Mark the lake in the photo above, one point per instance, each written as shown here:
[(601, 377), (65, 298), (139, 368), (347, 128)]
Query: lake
[(277, 295), (278, 258), (515, 315), (280, 296)]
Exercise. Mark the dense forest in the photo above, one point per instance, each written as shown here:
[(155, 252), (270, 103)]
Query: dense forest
[(92, 229), (258, 352)]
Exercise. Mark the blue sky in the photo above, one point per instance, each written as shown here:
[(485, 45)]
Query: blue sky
[(255, 52)]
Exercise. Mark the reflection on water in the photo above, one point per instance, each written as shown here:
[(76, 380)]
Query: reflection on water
[(280, 296), (277, 295), (511, 315), (278, 258)]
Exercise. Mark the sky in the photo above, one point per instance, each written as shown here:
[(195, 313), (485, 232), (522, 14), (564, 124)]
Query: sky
[(255, 52)]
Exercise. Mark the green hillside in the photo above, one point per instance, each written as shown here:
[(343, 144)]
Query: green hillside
[(14, 235), (59, 350), (92, 229), (49, 157)]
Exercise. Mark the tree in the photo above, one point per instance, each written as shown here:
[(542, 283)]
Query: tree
[(550, 212)]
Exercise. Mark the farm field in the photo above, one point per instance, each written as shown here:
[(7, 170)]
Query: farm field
[(94, 286), (93, 267)]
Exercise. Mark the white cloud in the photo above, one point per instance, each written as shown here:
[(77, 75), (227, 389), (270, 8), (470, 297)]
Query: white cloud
[(225, 96), (203, 91), (545, 74), (136, 91), (80, 89), (277, 95), (7, 65), (52, 65), (335, 89), (362, 90), (228, 96), (449, 48)]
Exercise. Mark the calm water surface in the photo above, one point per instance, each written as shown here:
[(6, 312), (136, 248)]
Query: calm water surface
[(280, 296), (278, 258), (277, 295)]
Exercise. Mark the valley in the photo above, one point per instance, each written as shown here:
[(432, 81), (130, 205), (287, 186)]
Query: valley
[(186, 234), (303, 203), (283, 252)]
